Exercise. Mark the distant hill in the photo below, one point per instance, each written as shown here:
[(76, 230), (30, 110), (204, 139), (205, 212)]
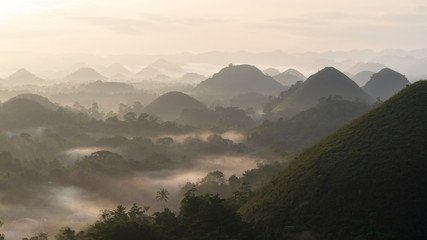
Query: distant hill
[(23, 77), (308, 127), (289, 77), (385, 84), (369, 66), (115, 69), (84, 75), (365, 181), (271, 72), (361, 78), (107, 87), (169, 106), (159, 67), (327, 82), (191, 78), (235, 80)]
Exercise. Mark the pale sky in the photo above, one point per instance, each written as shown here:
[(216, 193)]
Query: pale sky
[(174, 26)]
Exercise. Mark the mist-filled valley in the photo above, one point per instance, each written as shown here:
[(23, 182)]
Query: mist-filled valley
[(163, 137)]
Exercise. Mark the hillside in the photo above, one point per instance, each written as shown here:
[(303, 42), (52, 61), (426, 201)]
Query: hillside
[(361, 78), (308, 127), (327, 82), (385, 84), (169, 106), (289, 77), (84, 75), (235, 80), (365, 181), (161, 67)]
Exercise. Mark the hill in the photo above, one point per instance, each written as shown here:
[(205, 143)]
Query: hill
[(235, 80), (271, 72), (289, 77), (385, 84), (327, 82), (21, 113), (365, 181), (249, 100), (161, 67), (191, 78), (84, 75), (44, 102), (116, 69), (361, 78), (23, 77), (169, 106)]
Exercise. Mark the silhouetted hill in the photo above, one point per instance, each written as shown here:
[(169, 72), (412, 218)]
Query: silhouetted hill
[(385, 84), (365, 181), (148, 72), (84, 75), (169, 106), (308, 127), (107, 87), (361, 78), (289, 77), (234, 80), (327, 82), (23, 77), (271, 72)]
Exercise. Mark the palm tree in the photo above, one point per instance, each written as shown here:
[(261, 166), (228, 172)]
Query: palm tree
[(162, 195)]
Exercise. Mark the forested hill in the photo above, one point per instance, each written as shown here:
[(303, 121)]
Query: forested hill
[(365, 181)]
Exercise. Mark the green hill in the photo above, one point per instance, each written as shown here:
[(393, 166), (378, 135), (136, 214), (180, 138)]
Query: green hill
[(235, 80), (327, 82), (46, 103), (385, 84), (289, 77), (23, 77), (365, 181), (169, 106)]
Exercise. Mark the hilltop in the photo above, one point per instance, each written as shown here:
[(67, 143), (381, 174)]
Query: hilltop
[(327, 82), (365, 181), (385, 84), (235, 80), (169, 106)]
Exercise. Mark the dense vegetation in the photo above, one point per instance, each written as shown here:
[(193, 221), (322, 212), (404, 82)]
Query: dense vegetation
[(366, 181)]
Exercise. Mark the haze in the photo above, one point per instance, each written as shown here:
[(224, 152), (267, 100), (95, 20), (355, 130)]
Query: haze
[(153, 27)]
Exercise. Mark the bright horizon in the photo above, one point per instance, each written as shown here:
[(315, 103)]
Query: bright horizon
[(167, 27)]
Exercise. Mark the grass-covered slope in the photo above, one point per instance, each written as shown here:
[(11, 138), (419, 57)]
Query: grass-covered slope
[(366, 181)]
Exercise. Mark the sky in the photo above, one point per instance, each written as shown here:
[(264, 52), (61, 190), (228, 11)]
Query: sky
[(175, 26)]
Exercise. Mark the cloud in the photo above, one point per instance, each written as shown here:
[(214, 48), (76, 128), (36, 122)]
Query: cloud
[(119, 25)]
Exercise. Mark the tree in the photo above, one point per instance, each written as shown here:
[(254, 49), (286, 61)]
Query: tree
[(1, 235), (162, 195)]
